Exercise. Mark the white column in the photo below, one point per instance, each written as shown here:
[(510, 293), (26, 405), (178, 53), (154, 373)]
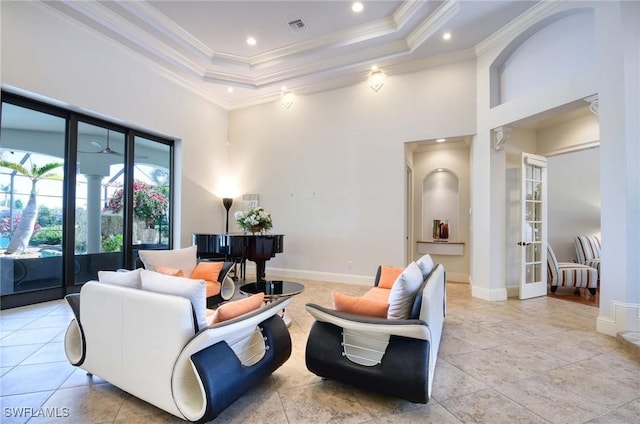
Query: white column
[(94, 213), (618, 47)]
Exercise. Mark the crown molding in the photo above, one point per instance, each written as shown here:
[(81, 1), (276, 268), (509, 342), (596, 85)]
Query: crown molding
[(358, 59), (143, 11), (113, 22), (318, 76), (432, 23), (385, 26), (430, 62), (521, 23), (406, 11), (327, 81), (347, 37), (46, 10)]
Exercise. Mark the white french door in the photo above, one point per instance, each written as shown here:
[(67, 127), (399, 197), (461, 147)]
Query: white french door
[(533, 241)]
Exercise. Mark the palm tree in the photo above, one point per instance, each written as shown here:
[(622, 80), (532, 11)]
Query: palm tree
[(24, 230)]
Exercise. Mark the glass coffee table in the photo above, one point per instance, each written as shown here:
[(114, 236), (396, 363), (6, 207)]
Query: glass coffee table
[(274, 289)]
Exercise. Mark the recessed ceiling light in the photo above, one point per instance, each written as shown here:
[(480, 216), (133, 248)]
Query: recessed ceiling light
[(357, 7), (441, 140), (229, 89), (446, 36), (251, 41)]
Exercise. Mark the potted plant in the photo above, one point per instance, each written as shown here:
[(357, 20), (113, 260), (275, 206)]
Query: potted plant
[(150, 205)]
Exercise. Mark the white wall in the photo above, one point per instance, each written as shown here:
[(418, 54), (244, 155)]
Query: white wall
[(554, 53), (44, 54), (331, 169), (580, 132), (573, 200), (490, 227), (614, 77), (455, 160), (573, 179), (618, 46)]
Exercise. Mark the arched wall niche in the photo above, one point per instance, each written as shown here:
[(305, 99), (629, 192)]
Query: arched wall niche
[(548, 52), (440, 200)]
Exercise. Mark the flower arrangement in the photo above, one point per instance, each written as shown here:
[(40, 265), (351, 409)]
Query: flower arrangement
[(149, 202), (254, 220)]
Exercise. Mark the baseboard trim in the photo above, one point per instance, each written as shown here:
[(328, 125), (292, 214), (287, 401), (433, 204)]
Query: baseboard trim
[(458, 277), (513, 291), (626, 317), (489, 294)]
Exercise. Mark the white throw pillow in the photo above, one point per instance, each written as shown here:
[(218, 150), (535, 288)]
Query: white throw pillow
[(194, 290), (184, 259), (425, 264), (120, 278), (404, 291)]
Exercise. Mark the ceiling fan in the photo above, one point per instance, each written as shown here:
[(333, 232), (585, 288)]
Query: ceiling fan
[(103, 149), (108, 150)]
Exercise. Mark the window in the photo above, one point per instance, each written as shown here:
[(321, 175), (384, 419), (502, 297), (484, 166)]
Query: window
[(63, 223)]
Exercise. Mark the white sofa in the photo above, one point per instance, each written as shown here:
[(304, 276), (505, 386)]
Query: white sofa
[(147, 344)]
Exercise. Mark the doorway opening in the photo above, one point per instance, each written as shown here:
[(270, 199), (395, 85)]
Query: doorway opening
[(568, 137)]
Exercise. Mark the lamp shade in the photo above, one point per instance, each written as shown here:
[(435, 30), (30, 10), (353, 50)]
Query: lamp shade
[(227, 202)]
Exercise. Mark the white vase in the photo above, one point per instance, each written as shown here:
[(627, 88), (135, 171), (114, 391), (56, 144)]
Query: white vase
[(148, 235)]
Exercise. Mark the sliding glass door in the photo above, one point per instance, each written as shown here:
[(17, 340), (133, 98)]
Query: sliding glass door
[(79, 195), (31, 173), (99, 236)]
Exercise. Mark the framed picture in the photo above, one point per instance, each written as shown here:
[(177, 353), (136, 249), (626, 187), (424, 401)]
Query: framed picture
[(251, 201)]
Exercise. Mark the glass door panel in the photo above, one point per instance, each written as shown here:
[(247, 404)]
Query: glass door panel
[(152, 192), (32, 146), (99, 201), (39, 192), (533, 276)]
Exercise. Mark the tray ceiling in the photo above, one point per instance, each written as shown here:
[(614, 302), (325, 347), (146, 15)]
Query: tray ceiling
[(203, 43)]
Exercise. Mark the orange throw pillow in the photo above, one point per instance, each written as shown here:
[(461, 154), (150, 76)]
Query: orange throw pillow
[(236, 308), (388, 276), (359, 305), (208, 271), (170, 271)]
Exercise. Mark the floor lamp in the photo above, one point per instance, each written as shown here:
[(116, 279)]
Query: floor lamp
[(227, 202)]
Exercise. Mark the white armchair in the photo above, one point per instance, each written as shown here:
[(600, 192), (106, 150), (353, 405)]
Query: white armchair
[(148, 344), (395, 357)]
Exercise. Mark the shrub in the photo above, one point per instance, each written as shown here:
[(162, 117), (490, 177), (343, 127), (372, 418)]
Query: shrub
[(112, 243), (48, 237)]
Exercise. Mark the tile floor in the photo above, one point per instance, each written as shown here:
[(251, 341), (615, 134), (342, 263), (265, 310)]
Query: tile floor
[(533, 361)]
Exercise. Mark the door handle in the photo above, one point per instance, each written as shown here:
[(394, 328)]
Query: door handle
[(522, 243)]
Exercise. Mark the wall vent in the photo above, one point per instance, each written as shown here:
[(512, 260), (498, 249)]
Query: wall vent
[(297, 25)]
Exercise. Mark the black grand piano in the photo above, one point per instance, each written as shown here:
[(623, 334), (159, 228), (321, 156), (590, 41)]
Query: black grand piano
[(258, 248)]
